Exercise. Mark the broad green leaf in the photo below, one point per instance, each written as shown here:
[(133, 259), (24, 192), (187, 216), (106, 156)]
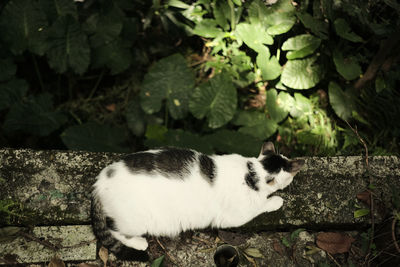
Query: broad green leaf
[(95, 137), (178, 4), (257, 12), (168, 79), (269, 66), (275, 106), (228, 141), (215, 99), (23, 26), (156, 132), (301, 46), (207, 28), (341, 102), (347, 67), (115, 55), (343, 29), (68, 46), (158, 262), (135, 117), (7, 69), (255, 124), (34, 116), (220, 15), (318, 27), (58, 8), (104, 27), (301, 73), (254, 36), (302, 106), (281, 28), (380, 83), (12, 92), (360, 213)]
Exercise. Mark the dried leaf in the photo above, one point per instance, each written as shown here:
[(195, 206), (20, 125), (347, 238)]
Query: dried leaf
[(365, 197), (278, 247), (56, 262), (103, 254), (334, 243), (111, 107), (253, 252), (87, 265)]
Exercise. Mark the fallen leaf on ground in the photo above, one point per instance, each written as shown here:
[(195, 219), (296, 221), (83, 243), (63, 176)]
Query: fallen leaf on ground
[(334, 243), (103, 254), (253, 252), (56, 262), (365, 197), (278, 247), (87, 265)]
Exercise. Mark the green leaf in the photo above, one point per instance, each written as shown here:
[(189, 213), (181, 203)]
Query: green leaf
[(7, 69), (286, 242), (23, 26), (302, 106), (360, 213), (219, 14), (215, 99), (254, 36), (275, 106), (302, 45), (135, 117), (295, 234), (347, 67), (318, 27), (68, 46), (94, 137), (301, 73), (228, 141), (58, 8), (36, 116), (341, 102), (207, 28), (178, 4), (281, 28), (171, 79), (380, 83), (269, 66), (343, 29), (158, 262), (115, 55), (12, 92), (255, 124), (156, 132)]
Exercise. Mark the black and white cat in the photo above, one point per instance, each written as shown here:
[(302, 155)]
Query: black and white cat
[(165, 191)]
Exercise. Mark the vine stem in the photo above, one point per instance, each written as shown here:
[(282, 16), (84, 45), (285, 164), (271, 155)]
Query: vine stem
[(38, 72), (394, 234), (371, 239), (96, 84)]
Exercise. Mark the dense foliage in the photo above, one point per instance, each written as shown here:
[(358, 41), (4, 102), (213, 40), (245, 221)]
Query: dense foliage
[(217, 76)]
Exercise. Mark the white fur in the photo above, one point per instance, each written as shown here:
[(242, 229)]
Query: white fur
[(165, 206)]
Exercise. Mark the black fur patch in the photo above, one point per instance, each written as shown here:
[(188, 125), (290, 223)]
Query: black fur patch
[(207, 166), (251, 177), (274, 163), (168, 161), (110, 224), (174, 160), (110, 172), (141, 161)]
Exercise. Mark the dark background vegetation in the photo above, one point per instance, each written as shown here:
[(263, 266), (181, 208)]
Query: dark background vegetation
[(217, 76)]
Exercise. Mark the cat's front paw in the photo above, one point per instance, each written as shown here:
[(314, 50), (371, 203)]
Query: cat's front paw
[(274, 203)]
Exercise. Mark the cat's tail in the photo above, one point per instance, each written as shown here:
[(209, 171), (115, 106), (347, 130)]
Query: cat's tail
[(105, 238)]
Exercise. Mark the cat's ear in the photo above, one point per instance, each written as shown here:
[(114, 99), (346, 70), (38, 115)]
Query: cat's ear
[(295, 165), (267, 147)]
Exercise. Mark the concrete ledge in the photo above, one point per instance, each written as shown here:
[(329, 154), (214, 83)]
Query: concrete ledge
[(53, 187)]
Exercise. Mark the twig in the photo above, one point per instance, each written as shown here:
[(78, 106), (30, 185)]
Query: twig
[(394, 234), (333, 259), (362, 142), (45, 243), (166, 252), (81, 244)]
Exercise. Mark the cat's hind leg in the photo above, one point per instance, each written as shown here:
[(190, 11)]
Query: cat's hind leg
[(136, 242)]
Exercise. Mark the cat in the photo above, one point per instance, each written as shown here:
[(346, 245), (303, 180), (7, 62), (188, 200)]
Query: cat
[(165, 191)]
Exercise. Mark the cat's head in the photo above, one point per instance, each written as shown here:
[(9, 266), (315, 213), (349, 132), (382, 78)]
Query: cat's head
[(280, 170)]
